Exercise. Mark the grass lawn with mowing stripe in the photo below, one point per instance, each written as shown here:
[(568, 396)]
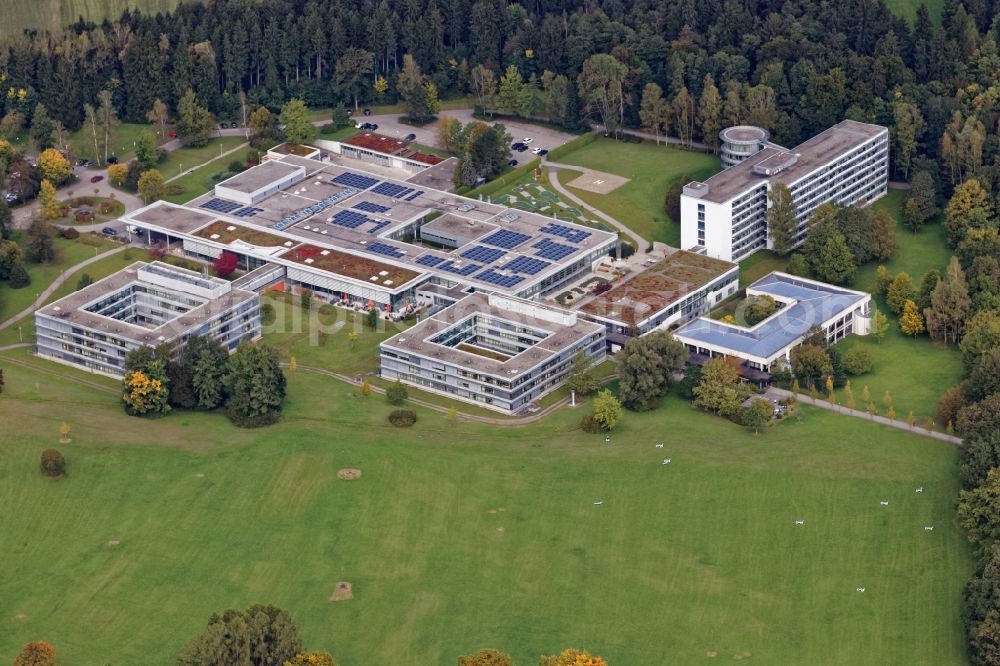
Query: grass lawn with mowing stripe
[(201, 180), (651, 168), (461, 535)]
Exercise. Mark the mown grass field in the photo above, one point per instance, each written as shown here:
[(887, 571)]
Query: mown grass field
[(201, 180), (461, 535), (651, 168), (908, 8), (52, 14), (915, 371)]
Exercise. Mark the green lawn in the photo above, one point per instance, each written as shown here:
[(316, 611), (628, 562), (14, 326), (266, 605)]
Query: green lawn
[(759, 264), (22, 15), (186, 158), (908, 8), (68, 252), (651, 168), (201, 179), (122, 144), (460, 536)]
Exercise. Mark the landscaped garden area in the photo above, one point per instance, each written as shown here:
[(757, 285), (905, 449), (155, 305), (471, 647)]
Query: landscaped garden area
[(540, 197), (90, 210), (650, 168), (702, 557)]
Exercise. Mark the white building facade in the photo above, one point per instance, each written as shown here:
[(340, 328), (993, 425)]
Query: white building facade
[(725, 216)]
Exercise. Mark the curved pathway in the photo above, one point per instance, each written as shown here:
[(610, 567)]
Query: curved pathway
[(56, 284), (640, 242)]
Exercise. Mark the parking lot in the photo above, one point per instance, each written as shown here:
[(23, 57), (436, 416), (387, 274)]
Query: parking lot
[(542, 137)]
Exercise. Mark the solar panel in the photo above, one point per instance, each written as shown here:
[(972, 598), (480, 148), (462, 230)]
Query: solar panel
[(570, 234), (451, 267), (392, 190), (355, 180), (387, 250), (315, 208), (370, 207), (487, 255), (550, 250), (249, 211), (429, 260), (349, 219), (527, 265), (414, 195), (378, 227), (506, 239), (221, 205), (493, 277)]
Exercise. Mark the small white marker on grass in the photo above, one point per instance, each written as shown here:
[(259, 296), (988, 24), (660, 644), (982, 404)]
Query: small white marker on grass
[(861, 589), (666, 461), (800, 522), (601, 503), (919, 489), (884, 502), (929, 528)]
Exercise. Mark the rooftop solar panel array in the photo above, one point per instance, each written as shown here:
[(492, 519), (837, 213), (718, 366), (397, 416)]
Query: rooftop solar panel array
[(527, 265), (349, 219), (349, 179), (506, 281), (414, 195), (393, 190), (387, 250), (506, 239), (378, 227), (429, 260), (249, 211), (570, 234), (370, 207), (487, 255), (221, 205), (315, 208), (451, 267), (550, 250)]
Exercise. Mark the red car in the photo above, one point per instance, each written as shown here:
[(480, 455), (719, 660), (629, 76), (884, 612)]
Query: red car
[(97, 179), (172, 134)]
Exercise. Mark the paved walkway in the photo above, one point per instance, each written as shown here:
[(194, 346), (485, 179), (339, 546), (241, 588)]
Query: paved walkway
[(840, 409), (221, 155), (640, 243), (56, 284)]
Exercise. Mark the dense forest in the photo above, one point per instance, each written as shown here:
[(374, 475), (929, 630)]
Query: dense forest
[(794, 67)]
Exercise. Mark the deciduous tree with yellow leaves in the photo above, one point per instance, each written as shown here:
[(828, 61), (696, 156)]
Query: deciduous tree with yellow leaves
[(144, 395)]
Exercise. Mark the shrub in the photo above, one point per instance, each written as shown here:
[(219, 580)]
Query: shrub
[(397, 393), (267, 314), (328, 128), (588, 424), (38, 653), (19, 277), (52, 464), (69, 233), (403, 418), (84, 281), (857, 361), (236, 166)]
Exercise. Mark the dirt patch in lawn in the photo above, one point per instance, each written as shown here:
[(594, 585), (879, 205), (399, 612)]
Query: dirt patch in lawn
[(349, 474), (342, 592)]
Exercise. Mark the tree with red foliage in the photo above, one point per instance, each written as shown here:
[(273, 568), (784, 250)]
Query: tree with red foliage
[(225, 264), (38, 653)]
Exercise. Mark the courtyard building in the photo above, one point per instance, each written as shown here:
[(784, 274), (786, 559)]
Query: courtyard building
[(724, 217), (802, 304), (145, 304), (499, 352)]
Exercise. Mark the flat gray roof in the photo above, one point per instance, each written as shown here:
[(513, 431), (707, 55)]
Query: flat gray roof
[(815, 303), (345, 207), (439, 177), (417, 339), (70, 309), (258, 177), (812, 154)]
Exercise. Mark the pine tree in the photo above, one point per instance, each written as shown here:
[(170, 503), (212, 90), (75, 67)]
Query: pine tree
[(194, 122)]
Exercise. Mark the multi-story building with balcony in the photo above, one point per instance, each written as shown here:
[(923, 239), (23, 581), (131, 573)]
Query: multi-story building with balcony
[(724, 217), (143, 305)]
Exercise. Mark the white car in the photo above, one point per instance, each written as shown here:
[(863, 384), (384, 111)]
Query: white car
[(535, 151), (528, 139)]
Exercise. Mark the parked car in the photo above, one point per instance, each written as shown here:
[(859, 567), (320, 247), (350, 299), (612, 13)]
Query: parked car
[(536, 151), (10, 197), (97, 179), (233, 125), (512, 163), (109, 231), (368, 112), (522, 148), (360, 125), (112, 159), (517, 145), (374, 126), (543, 151), (84, 163), (411, 137), (223, 125), (172, 134), (528, 139)]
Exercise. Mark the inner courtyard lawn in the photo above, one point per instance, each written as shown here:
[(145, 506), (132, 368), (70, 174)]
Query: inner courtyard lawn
[(651, 168), (462, 535)]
